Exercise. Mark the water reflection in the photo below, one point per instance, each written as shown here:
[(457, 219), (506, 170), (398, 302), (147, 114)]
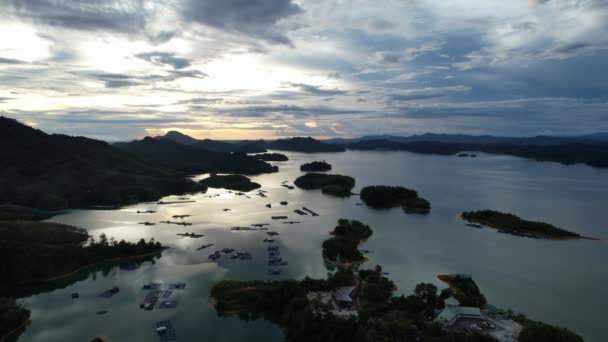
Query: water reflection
[(536, 277)]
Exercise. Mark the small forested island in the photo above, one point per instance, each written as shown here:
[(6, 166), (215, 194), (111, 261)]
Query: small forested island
[(354, 305), (380, 196), (316, 166), (49, 250), (342, 247), (230, 182), (271, 156), (13, 319), (336, 185), (512, 224)]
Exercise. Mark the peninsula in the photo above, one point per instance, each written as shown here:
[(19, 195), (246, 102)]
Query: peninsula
[(512, 224), (342, 247), (230, 182)]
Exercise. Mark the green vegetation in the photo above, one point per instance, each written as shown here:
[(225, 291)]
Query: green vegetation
[(58, 171), (342, 248), (381, 196), (190, 159), (271, 157), (316, 166), (17, 212), (513, 224), (534, 331), (13, 318), (463, 288), (231, 182), (381, 315), (36, 251), (336, 185)]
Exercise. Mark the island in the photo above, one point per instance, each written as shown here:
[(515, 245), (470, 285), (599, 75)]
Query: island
[(271, 156), (342, 247), (230, 182), (381, 196), (316, 166), (336, 185), (359, 305), (514, 225)]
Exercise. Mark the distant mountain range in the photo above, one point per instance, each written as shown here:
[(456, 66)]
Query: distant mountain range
[(546, 140), (191, 158), (298, 144), (219, 146)]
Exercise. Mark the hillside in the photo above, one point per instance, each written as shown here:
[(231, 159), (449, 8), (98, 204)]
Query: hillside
[(190, 159), (215, 145), (59, 171), (308, 145)]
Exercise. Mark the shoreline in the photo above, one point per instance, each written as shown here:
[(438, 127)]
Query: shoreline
[(80, 269), (20, 326)]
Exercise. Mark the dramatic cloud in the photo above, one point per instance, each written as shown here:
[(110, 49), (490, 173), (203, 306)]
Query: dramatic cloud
[(258, 18), (165, 58), (268, 68)]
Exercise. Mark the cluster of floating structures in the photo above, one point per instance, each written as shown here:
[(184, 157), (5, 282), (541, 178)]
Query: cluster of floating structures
[(238, 255), (191, 235), (275, 261), (205, 246), (180, 223), (174, 202), (157, 294)]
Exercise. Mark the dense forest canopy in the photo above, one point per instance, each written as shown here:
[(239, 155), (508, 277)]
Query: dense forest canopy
[(510, 222), (316, 166), (230, 182), (336, 185), (59, 171), (380, 196)]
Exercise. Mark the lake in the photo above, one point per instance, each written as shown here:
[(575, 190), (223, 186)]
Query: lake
[(558, 282)]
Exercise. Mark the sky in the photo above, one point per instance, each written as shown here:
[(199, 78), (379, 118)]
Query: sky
[(253, 69)]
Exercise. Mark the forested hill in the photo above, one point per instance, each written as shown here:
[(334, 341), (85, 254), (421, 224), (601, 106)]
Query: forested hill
[(190, 159), (218, 146), (308, 145), (59, 171)]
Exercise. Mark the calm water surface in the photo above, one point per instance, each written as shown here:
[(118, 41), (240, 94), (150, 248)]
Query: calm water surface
[(560, 282)]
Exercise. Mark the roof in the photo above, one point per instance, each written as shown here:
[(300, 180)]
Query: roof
[(343, 294), (451, 301), (452, 313)]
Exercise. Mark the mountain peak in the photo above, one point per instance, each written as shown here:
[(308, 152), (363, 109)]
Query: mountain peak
[(179, 138)]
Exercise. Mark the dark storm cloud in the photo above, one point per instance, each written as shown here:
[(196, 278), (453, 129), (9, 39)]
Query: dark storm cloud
[(315, 90), (257, 18), (165, 58), (286, 110), (107, 15), (116, 80)]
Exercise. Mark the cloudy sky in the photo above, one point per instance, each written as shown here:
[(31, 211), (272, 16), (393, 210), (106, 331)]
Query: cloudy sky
[(230, 69)]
